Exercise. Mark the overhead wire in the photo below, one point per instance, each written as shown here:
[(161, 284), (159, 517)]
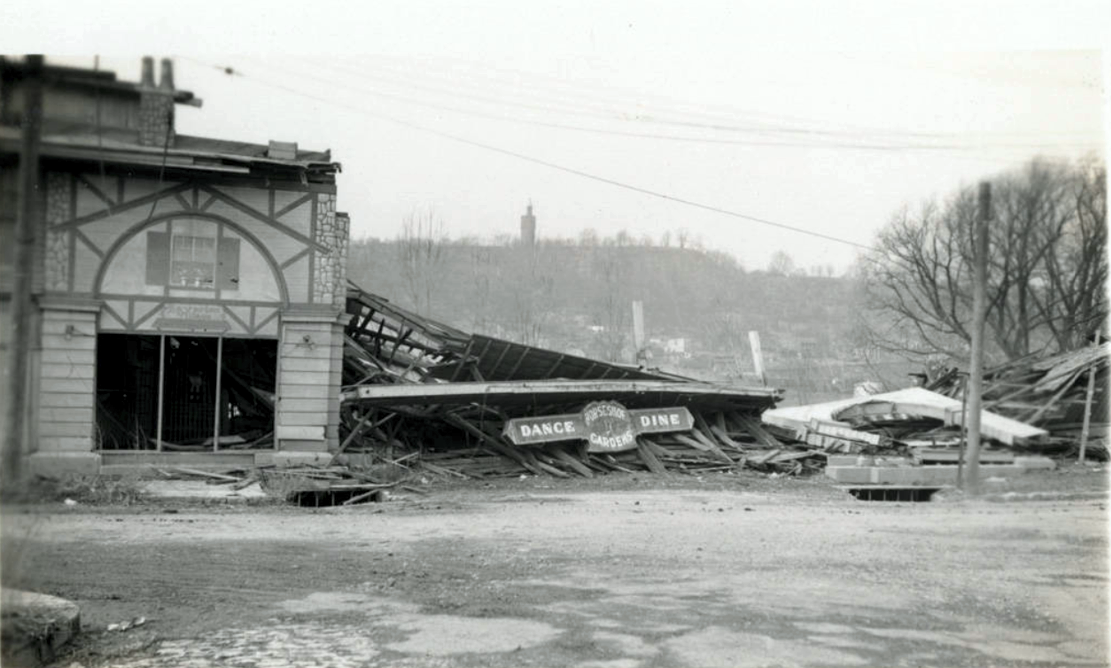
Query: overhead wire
[(801, 144), (961, 151), (527, 158), (621, 133), (610, 96)]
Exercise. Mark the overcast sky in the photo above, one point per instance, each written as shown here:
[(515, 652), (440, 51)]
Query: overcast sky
[(821, 116)]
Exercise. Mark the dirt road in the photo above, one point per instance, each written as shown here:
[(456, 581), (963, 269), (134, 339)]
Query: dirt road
[(525, 573)]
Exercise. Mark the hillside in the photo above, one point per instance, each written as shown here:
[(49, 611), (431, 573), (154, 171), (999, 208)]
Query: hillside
[(577, 298)]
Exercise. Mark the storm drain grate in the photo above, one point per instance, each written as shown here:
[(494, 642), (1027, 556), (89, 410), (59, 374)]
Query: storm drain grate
[(336, 497), (888, 493)]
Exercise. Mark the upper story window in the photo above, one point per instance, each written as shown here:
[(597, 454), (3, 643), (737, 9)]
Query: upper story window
[(193, 254), (193, 262)]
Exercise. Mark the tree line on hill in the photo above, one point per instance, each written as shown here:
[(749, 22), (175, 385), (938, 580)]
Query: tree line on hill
[(576, 294)]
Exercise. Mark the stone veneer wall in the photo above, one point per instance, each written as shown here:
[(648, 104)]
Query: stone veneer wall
[(59, 193), (332, 232)]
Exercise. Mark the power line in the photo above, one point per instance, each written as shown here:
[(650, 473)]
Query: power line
[(827, 145), (570, 170), (619, 133), (608, 94)]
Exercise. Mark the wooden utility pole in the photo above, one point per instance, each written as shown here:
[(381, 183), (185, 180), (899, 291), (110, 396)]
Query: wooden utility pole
[(964, 429), (640, 356), (19, 347), (979, 315), (1084, 430), (757, 356)]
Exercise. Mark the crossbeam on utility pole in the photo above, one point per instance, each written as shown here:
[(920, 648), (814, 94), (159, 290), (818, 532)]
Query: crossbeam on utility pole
[(979, 316), (19, 347)]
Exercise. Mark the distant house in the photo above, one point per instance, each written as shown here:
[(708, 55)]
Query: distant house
[(675, 346), (189, 292)]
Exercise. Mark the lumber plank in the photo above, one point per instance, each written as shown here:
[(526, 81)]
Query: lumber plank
[(649, 458), (762, 436), (573, 463)]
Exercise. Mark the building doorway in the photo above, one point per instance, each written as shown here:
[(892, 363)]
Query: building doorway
[(185, 393)]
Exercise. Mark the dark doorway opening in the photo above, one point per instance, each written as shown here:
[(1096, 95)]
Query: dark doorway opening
[(185, 393)]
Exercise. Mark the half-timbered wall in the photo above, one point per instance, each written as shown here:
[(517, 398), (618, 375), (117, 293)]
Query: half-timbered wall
[(205, 255)]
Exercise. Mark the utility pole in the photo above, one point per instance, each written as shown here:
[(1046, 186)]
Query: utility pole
[(640, 354), (1087, 424), (19, 348), (757, 356), (979, 315)]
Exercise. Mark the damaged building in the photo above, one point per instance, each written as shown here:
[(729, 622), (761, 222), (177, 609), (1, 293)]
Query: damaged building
[(192, 308), (189, 293)]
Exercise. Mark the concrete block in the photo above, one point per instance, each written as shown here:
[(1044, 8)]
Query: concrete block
[(60, 464), (1000, 470), (302, 433), (850, 474), (285, 459), (936, 475), (889, 461), (1029, 463), (48, 623), (914, 475), (264, 458), (297, 445)]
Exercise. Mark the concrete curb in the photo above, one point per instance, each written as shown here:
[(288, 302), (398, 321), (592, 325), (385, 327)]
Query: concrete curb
[(35, 626), (1046, 496), (201, 493), (951, 495)]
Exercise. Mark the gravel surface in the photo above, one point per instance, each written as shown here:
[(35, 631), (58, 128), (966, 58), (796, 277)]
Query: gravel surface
[(629, 571)]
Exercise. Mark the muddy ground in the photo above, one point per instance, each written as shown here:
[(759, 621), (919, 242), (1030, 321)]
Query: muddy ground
[(618, 572)]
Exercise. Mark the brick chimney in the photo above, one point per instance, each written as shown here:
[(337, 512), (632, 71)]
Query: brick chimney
[(156, 105)]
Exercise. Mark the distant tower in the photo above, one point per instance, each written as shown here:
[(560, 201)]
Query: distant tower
[(528, 228)]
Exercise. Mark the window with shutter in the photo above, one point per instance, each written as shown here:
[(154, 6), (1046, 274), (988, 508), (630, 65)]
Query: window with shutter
[(194, 261)]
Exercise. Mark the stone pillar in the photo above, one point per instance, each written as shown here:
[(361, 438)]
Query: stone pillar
[(310, 364), (65, 397)]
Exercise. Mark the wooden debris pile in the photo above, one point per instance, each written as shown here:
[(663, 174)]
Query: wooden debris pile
[(721, 441), (1054, 393), (306, 485), (431, 399), (895, 423)]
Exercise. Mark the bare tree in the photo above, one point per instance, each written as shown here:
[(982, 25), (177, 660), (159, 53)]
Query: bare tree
[(421, 255), (781, 264), (1047, 267), (527, 292)]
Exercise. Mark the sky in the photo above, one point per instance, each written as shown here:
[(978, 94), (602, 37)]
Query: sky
[(755, 127)]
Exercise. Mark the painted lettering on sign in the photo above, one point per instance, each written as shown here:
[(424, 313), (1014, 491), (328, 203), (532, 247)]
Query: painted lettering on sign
[(605, 426), (549, 428), (658, 420), (608, 427)]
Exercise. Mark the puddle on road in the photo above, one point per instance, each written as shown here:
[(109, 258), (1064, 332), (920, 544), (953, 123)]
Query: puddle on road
[(442, 635), (324, 602), (436, 635), (716, 646), (995, 647), (626, 644), (310, 645)]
